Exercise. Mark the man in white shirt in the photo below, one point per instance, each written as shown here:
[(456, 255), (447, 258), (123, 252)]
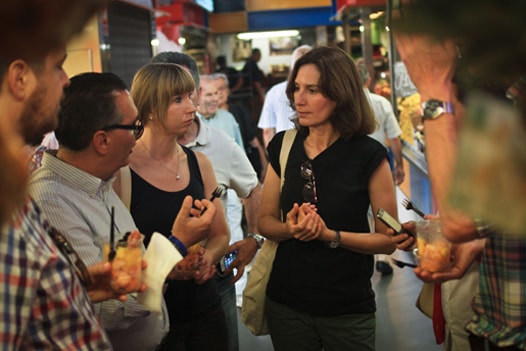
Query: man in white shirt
[(387, 128), (387, 125)]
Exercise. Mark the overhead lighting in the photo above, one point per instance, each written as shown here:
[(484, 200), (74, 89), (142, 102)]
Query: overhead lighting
[(273, 34)]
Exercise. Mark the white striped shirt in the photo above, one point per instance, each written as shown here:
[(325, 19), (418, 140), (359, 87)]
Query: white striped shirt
[(79, 205)]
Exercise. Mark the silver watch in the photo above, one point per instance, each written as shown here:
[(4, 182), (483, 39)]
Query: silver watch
[(259, 239), (432, 109), (336, 242)]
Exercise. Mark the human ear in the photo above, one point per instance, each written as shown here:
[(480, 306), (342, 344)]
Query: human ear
[(20, 79), (101, 142)]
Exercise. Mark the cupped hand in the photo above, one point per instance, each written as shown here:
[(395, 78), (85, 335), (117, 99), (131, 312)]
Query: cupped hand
[(103, 286), (462, 257)]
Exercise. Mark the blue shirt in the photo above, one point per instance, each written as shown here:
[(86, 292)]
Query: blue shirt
[(225, 121)]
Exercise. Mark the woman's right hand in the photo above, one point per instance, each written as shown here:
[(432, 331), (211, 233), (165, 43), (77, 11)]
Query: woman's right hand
[(404, 241)]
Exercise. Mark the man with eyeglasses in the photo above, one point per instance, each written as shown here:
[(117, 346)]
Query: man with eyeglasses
[(97, 129)]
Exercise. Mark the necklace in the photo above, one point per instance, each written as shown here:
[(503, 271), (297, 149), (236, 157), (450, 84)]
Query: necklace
[(176, 172)]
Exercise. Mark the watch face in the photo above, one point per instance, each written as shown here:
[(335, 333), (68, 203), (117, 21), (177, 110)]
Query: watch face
[(433, 109), (333, 244)]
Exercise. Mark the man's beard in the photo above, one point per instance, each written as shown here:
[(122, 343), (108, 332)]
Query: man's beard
[(34, 121)]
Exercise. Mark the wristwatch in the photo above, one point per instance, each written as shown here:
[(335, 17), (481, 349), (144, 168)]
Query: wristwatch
[(259, 239), (336, 242), (432, 109)]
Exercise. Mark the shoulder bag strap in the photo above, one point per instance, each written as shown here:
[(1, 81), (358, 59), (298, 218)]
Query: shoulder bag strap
[(288, 139), (125, 186)]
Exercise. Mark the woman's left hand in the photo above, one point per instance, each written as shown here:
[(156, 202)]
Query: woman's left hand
[(206, 269), (187, 267)]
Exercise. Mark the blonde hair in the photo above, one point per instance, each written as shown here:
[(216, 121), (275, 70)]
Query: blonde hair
[(154, 87)]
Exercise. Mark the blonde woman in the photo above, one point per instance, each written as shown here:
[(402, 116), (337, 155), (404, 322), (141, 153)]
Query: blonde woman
[(163, 173)]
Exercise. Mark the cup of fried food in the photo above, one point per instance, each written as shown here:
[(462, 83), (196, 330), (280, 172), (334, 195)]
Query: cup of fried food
[(126, 261), (433, 249)]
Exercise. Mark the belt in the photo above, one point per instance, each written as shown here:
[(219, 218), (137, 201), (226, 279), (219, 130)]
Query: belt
[(478, 343)]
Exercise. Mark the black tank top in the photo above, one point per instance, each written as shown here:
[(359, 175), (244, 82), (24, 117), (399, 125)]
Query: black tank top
[(154, 210)]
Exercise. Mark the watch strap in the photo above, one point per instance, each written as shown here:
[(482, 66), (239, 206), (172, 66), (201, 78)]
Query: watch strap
[(260, 239)]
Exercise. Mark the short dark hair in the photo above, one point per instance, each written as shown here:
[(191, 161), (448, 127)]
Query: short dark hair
[(180, 59), (88, 106), (341, 83), (221, 60), (32, 28)]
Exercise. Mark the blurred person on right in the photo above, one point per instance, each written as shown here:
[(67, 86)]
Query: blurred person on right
[(319, 295), (462, 58)]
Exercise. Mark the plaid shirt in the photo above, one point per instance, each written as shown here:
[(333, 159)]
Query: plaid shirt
[(500, 307), (43, 305)]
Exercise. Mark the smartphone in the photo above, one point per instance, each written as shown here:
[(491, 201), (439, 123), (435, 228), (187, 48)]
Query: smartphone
[(390, 221), (226, 261)]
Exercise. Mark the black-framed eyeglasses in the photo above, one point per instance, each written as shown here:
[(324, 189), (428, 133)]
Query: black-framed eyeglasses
[(309, 189), (71, 255), (137, 127)]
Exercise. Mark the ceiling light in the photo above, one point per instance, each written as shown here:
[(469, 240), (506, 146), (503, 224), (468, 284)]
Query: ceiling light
[(273, 34)]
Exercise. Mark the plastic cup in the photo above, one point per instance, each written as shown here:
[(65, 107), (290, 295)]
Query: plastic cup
[(434, 250), (126, 266)]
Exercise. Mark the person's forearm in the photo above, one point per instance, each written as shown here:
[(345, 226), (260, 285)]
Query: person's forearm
[(217, 246), (260, 90), (252, 208), (441, 139), (367, 243), (268, 134), (238, 85), (274, 229), (396, 147)]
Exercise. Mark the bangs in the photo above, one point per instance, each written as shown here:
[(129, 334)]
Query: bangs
[(179, 81)]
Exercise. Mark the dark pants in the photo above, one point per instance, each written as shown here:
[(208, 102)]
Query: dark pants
[(298, 331), (202, 334), (227, 293), (478, 343)]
